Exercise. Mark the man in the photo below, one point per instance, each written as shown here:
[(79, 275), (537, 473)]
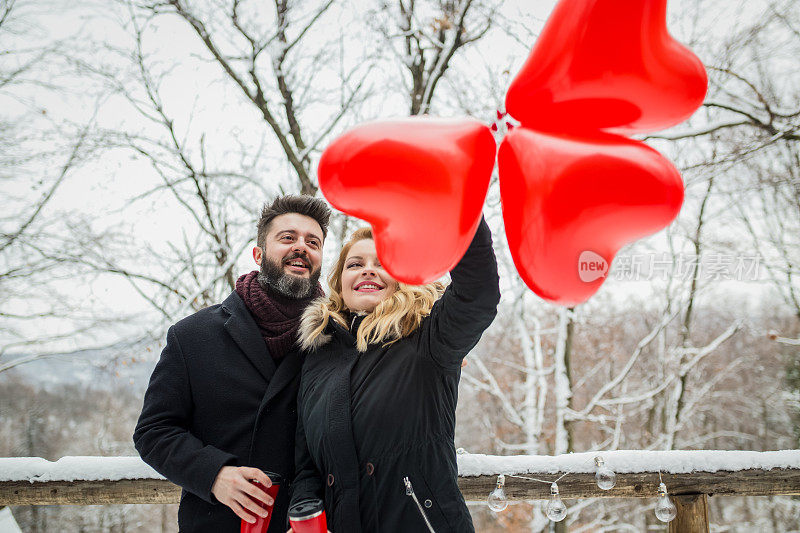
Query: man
[(220, 408)]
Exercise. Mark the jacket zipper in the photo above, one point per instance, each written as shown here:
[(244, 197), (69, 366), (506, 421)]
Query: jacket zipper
[(410, 492)]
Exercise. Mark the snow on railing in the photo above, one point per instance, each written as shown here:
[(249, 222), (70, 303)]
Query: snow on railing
[(690, 476)]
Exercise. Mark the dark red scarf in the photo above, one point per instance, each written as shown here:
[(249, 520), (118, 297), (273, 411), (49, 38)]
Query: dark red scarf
[(278, 317)]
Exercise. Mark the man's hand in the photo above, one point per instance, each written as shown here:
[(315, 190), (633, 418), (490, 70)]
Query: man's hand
[(233, 488)]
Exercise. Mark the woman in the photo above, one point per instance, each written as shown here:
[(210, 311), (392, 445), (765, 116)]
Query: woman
[(378, 393)]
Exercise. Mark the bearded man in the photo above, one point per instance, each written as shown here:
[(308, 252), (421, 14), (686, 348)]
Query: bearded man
[(220, 409)]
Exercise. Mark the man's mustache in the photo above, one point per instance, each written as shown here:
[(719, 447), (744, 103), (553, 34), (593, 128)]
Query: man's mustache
[(298, 255)]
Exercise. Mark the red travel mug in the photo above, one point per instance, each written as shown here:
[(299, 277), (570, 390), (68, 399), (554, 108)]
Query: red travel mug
[(308, 516), (261, 524)]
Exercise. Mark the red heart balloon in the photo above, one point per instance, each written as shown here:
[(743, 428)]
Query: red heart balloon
[(570, 203), (607, 64), (419, 182)]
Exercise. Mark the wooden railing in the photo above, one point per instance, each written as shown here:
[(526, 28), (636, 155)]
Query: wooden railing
[(690, 476)]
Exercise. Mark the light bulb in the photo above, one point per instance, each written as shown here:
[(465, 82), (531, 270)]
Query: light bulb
[(605, 477), (556, 510), (497, 498), (665, 509)]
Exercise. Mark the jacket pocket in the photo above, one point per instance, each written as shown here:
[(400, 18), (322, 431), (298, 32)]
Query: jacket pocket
[(413, 495), (418, 490)]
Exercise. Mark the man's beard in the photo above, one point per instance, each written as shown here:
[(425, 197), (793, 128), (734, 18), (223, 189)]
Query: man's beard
[(272, 277)]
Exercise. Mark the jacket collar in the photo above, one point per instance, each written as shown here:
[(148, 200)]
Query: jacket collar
[(312, 319), (243, 329)]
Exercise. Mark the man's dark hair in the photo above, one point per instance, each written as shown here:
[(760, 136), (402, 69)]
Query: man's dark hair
[(302, 205)]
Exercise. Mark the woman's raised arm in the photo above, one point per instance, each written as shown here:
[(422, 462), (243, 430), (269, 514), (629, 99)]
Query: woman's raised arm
[(468, 305)]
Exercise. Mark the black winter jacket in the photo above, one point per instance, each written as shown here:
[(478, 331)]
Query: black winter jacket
[(375, 429), (216, 398)]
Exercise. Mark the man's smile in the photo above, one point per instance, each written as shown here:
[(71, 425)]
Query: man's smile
[(297, 264)]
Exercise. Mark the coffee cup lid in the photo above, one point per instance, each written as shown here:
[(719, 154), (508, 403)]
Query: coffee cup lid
[(306, 509), (274, 477)]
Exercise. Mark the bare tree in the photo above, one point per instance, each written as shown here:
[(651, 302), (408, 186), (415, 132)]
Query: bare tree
[(425, 36), (38, 155), (273, 67)]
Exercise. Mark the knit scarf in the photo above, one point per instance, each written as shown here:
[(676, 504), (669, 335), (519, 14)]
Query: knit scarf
[(277, 317)]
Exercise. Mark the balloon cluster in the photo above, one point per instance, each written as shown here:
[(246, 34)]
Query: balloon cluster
[(575, 189)]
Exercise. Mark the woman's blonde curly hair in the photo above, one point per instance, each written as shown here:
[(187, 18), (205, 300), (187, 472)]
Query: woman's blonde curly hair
[(394, 318)]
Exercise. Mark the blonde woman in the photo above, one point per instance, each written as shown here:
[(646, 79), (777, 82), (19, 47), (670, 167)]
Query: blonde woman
[(378, 393)]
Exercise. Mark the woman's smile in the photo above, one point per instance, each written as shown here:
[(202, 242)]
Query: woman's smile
[(368, 286)]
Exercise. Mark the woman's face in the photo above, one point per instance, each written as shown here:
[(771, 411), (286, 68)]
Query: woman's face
[(365, 283)]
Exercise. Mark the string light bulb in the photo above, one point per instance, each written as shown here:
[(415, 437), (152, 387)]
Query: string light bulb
[(497, 498), (665, 509), (605, 477), (556, 510)]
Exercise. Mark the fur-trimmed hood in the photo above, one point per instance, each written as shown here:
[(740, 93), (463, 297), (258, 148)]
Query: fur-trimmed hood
[(394, 318), (312, 319)]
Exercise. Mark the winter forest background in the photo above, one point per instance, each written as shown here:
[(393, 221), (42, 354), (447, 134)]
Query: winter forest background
[(138, 140)]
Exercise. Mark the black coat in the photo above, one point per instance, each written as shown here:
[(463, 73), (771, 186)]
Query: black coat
[(368, 420), (216, 398)]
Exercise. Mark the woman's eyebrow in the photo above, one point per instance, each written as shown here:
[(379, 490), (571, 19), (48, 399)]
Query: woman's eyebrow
[(355, 257)]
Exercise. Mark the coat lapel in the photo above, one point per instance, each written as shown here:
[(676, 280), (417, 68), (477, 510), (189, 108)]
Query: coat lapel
[(243, 329), (287, 371)]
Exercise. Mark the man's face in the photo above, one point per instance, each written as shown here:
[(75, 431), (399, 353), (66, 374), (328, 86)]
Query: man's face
[(291, 259)]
